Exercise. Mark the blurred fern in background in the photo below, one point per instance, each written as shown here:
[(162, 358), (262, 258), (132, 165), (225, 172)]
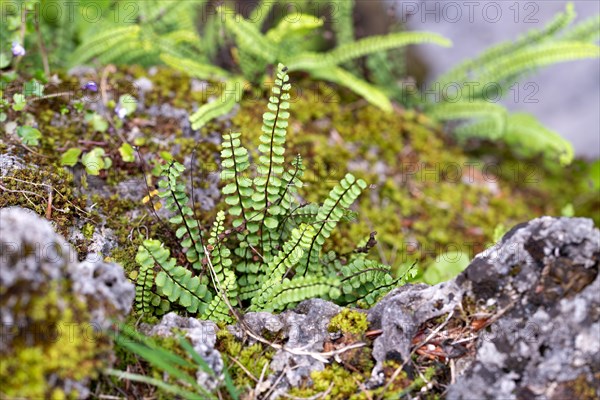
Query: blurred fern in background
[(483, 80), (219, 44)]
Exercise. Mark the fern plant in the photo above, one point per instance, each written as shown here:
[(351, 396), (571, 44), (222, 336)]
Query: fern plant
[(500, 67), (286, 43), (165, 32), (272, 256)]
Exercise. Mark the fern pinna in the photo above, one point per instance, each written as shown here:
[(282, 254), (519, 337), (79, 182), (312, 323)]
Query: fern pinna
[(272, 257)]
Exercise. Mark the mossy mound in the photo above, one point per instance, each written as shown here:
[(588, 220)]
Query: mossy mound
[(54, 311), (428, 196)]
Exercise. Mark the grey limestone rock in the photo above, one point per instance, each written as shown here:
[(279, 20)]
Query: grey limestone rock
[(303, 328), (105, 287), (547, 344), (37, 266), (400, 314), (32, 255), (542, 279)]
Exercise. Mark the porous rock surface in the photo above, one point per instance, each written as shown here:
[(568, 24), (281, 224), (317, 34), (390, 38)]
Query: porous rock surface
[(547, 344), (35, 263), (542, 279)]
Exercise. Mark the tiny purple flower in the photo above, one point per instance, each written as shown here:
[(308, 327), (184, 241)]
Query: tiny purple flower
[(91, 86), (121, 112), (18, 50)]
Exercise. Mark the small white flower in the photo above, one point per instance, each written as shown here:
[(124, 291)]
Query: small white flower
[(121, 112), (18, 50)]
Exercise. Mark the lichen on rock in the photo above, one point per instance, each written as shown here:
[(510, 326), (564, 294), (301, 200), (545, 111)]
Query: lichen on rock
[(549, 336), (53, 310)]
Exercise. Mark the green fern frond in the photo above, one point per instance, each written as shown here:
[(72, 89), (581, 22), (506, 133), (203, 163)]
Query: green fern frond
[(291, 182), (268, 183), (186, 36), (384, 73), (218, 309), (539, 56), (252, 67), (343, 23), (364, 89), (330, 213), (219, 253), (586, 31), (527, 135), (364, 281), (363, 47), (261, 12), (231, 95), (469, 70), (293, 291), (283, 264), (121, 36), (493, 116), (520, 131), (212, 37), (301, 214), (238, 192), (144, 281), (289, 30), (174, 281), (175, 199), (290, 254), (224, 279), (249, 38), (193, 68)]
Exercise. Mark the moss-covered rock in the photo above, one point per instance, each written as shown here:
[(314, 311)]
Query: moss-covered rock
[(349, 321), (428, 195), (54, 310)]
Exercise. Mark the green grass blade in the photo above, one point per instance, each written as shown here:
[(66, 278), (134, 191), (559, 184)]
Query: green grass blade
[(159, 384)]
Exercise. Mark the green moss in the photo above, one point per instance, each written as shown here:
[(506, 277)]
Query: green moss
[(253, 358), (56, 345), (48, 190), (579, 388), (349, 321), (333, 383), (88, 231)]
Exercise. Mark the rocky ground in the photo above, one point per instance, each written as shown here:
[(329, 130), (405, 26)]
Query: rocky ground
[(520, 322)]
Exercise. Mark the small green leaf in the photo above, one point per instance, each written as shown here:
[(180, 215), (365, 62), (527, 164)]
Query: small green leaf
[(126, 152), (446, 267), (93, 161), (33, 88), (127, 105), (4, 60), (165, 155), (70, 157), (271, 223), (29, 135), (97, 122), (18, 102)]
